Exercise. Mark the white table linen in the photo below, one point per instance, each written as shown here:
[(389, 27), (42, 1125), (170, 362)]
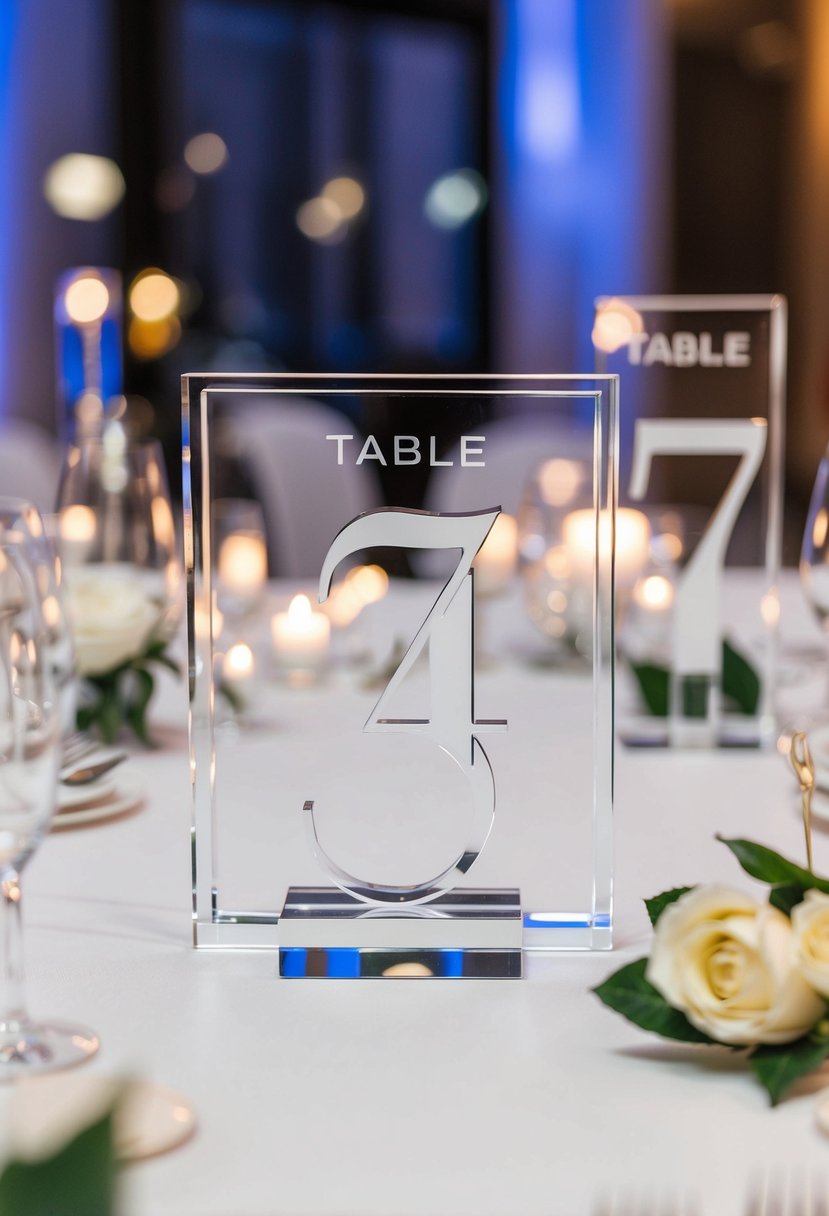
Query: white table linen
[(415, 1099)]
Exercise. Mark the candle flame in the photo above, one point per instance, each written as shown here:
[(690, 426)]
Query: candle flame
[(299, 609)]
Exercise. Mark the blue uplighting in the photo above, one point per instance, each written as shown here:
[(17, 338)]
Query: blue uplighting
[(8, 29)]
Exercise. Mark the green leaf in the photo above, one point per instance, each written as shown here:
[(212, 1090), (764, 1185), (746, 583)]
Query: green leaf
[(135, 712), (232, 696), (657, 905), (109, 717), (786, 896), (778, 1067), (654, 686), (740, 684), (763, 863), (629, 993), (740, 681), (78, 1180)]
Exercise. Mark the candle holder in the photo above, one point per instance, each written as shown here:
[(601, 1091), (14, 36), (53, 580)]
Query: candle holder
[(358, 836)]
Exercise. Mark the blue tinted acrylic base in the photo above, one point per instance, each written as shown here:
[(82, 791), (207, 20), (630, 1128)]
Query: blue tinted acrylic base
[(470, 934)]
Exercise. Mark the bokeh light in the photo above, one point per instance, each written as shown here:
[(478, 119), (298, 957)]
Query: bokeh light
[(79, 186), (153, 295), (206, 153), (320, 219), (347, 194), (86, 299), (454, 199), (616, 323)]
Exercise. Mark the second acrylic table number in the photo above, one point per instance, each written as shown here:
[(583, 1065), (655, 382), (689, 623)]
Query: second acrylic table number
[(703, 379)]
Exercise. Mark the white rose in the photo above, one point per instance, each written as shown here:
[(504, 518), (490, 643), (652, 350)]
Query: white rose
[(113, 613), (727, 964), (810, 940)]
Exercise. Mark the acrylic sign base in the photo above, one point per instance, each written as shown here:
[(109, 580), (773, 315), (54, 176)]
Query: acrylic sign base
[(468, 934)]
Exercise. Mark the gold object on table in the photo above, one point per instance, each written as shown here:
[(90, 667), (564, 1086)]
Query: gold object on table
[(803, 765)]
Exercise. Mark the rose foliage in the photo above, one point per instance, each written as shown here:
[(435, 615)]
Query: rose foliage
[(726, 970), (119, 629)]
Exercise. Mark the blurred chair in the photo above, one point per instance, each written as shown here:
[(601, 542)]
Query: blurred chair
[(30, 463), (281, 445), (514, 449)]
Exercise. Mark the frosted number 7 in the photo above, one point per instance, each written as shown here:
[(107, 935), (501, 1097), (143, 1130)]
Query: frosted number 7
[(697, 643)]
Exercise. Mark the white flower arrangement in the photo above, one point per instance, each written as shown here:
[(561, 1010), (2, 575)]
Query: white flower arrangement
[(118, 617), (724, 969)]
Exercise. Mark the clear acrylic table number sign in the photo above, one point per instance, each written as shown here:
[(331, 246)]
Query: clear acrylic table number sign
[(704, 384), (361, 812)]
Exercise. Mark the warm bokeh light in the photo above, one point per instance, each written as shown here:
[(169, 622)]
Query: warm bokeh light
[(52, 614), (368, 583), (559, 481), (206, 153), (238, 662), (770, 609), (616, 323), (557, 563), (86, 300), (820, 528), (153, 295), (320, 219), (347, 194), (454, 199), (164, 529), (655, 591), (83, 187), (633, 535), (496, 560), (343, 605), (151, 339), (243, 563)]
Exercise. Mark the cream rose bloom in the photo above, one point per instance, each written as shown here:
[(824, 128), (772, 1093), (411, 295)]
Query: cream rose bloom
[(727, 964), (113, 613), (810, 940)]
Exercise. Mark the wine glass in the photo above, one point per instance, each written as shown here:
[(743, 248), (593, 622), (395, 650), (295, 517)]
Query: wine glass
[(814, 581), (18, 514), (114, 511), (29, 752)]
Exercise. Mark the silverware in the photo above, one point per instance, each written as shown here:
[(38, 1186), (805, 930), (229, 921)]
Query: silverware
[(84, 760), (91, 771), (804, 769)]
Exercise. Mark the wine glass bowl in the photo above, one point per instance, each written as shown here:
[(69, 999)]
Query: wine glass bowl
[(114, 511), (30, 719), (814, 553)]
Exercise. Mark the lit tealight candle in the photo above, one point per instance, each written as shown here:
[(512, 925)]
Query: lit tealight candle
[(301, 637), (242, 570), (495, 563), (76, 533), (653, 600), (239, 669)]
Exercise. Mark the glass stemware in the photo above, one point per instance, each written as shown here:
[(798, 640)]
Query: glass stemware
[(29, 753), (18, 514), (814, 553), (114, 512)]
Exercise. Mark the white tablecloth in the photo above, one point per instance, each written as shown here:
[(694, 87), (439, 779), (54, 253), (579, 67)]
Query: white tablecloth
[(419, 1098)]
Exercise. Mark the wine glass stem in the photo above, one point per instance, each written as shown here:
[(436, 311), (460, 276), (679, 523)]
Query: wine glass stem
[(12, 1010)]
